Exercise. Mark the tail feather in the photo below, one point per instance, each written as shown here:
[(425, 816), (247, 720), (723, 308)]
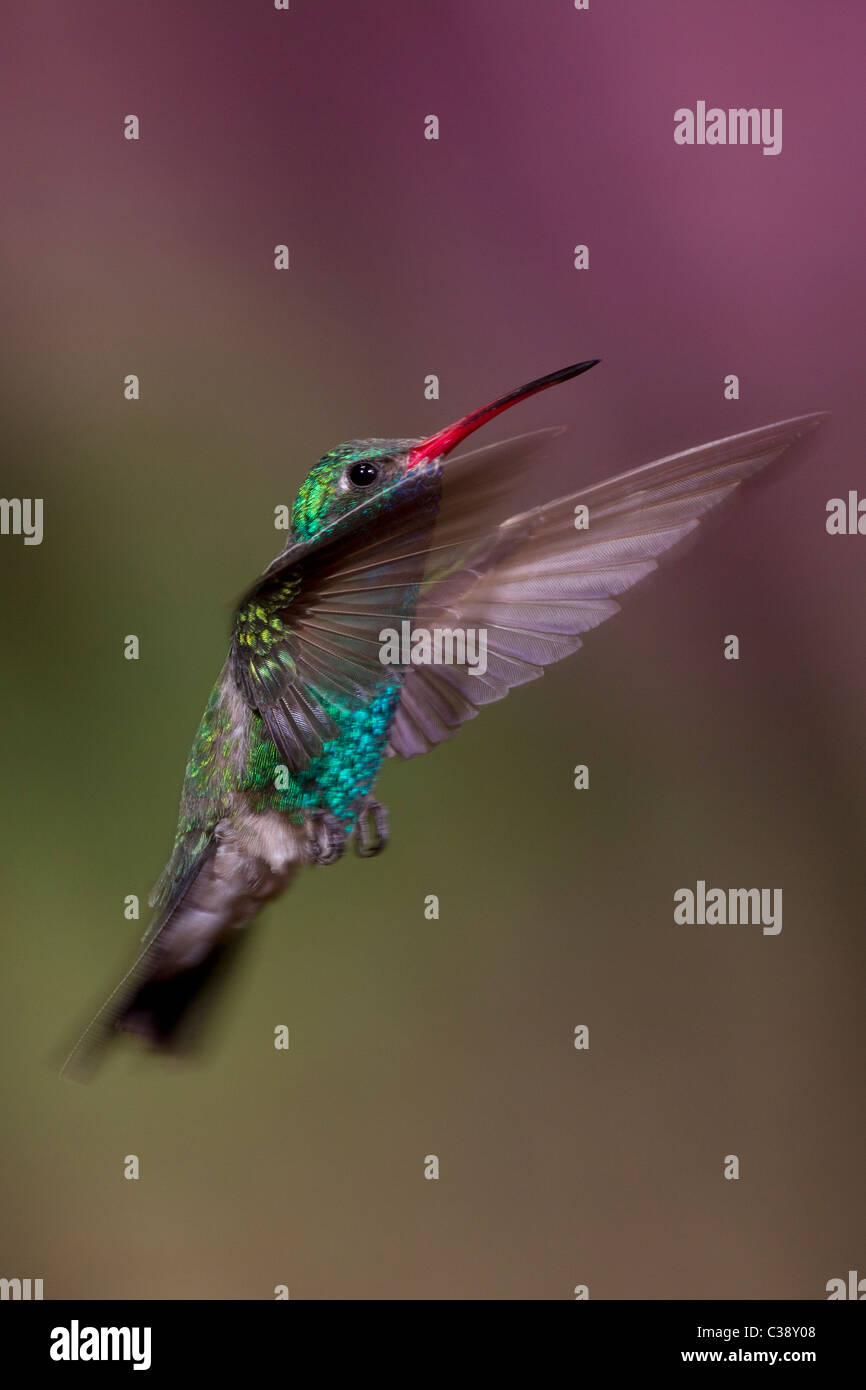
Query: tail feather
[(177, 975), (169, 1013)]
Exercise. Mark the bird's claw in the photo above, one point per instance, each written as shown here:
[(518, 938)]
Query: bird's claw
[(327, 838), (371, 835)]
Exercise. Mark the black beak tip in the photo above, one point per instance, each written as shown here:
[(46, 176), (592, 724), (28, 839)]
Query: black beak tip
[(567, 373)]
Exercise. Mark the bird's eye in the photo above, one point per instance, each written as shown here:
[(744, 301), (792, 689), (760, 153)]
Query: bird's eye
[(363, 474)]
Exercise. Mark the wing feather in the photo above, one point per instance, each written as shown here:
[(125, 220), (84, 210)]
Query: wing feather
[(542, 582)]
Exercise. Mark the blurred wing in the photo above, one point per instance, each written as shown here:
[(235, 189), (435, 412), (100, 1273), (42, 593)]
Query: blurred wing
[(307, 639), (541, 582)]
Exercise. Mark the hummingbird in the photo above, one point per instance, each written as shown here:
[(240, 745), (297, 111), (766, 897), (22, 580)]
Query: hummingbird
[(283, 768)]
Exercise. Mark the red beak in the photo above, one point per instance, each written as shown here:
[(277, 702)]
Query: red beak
[(445, 440)]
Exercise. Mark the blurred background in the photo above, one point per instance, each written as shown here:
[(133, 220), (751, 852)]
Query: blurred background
[(453, 1037)]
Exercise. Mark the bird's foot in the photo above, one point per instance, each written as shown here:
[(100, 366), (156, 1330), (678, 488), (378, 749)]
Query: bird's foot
[(371, 834), (327, 838)]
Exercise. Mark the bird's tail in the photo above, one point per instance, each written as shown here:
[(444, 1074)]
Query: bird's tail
[(173, 983)]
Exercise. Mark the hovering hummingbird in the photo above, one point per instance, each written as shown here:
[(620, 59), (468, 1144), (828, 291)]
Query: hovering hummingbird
[(283, 767)]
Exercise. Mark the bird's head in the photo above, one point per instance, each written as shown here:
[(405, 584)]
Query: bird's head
[(358, 480)]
